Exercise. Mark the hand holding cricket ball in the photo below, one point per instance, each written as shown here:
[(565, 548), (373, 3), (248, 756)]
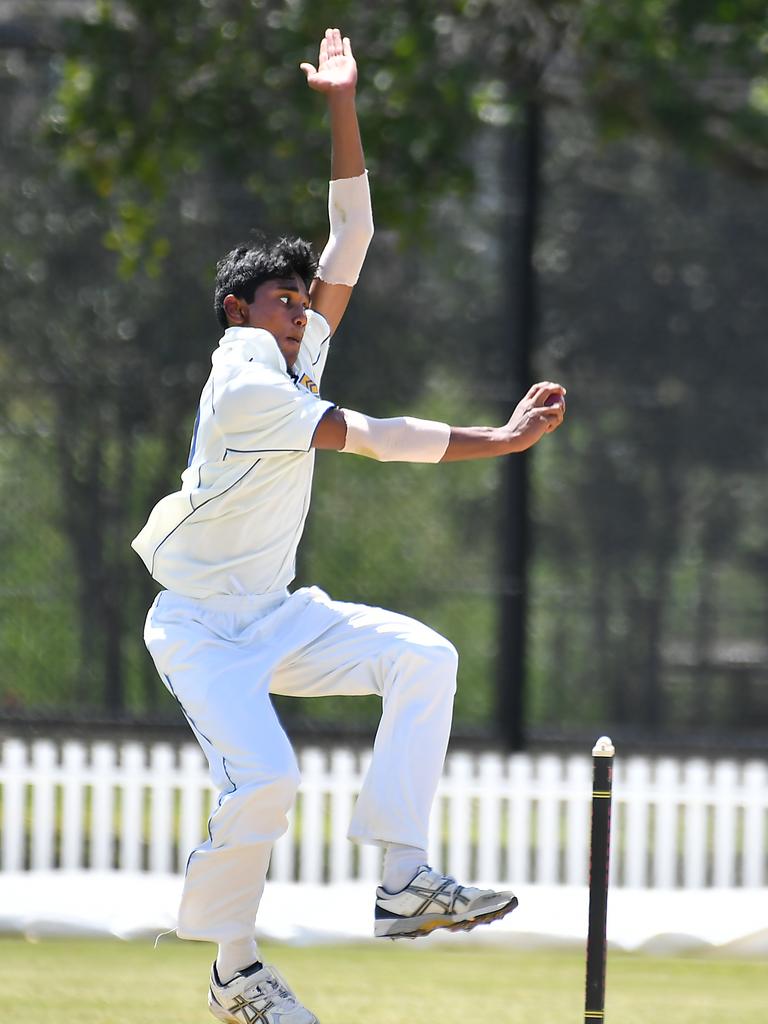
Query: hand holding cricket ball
[(539, 412)]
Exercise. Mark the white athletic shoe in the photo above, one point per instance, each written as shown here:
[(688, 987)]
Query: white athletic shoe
[(256, 996), (431, 900)]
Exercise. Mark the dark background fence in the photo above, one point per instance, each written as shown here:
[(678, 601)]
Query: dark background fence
[(614, 579)]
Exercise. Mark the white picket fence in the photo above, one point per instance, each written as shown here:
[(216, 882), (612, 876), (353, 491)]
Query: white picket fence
[(520, 819)]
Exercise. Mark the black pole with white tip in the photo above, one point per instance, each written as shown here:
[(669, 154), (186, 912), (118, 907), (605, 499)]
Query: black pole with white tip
[(599, 864)]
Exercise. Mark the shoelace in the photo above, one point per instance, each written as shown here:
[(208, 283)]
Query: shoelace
[(269, 986), (460, 888)]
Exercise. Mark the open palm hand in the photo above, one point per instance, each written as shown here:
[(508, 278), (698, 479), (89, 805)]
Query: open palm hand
[(336, 68)]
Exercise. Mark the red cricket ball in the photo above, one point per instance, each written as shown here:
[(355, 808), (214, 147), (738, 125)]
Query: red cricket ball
[(554, 400)]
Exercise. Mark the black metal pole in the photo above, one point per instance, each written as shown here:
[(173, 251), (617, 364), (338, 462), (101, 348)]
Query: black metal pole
[(523, 156), (599, 863)]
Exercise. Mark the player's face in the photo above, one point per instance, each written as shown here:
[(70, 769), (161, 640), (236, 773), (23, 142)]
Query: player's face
[(280, 307)]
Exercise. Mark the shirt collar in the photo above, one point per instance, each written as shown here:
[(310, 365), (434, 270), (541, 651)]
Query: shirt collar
[(255, 345)]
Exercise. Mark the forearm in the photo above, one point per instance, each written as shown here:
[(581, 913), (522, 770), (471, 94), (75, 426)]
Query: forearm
[(347, 160), (482, 443), (407, 439), (349, 198), (349, 202)]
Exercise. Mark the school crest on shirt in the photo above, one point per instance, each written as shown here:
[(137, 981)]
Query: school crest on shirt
[(305, 381)]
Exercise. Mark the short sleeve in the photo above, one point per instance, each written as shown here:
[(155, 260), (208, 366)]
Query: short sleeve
[(262, 410), (315, 344)]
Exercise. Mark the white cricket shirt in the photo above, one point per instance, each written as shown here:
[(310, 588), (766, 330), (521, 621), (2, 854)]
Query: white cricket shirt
[(235, 525)]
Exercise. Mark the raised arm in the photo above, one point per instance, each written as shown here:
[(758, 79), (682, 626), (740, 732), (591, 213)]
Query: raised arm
[(406, 439), (349, 203)]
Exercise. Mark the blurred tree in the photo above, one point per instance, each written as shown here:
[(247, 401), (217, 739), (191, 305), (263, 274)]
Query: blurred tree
[(151, 91), (167, 110), (651, 270), (92, 424), (114, 364)]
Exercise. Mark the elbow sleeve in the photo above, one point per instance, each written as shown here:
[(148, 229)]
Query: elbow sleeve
[(351, 230), (403, 439)]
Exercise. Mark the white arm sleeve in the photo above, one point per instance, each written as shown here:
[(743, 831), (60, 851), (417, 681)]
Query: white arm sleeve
[(351, 221), (403, 439)]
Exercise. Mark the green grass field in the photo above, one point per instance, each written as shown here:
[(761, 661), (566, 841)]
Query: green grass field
[(111, 982)]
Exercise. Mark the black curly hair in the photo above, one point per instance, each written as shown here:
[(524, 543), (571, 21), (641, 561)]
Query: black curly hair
[(243, 269)]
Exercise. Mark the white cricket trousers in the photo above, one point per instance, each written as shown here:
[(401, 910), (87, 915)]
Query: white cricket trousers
[(221, 657)]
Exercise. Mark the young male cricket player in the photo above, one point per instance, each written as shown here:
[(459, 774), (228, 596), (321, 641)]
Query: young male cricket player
[(226, 632)]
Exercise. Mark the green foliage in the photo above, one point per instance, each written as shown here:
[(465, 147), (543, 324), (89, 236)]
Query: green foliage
[(114, 377), (690, 71), (38, 621), (149, 92), (417, 540), (659, 266), (172, 128)]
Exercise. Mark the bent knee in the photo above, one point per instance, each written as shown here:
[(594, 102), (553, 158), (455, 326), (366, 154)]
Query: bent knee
[(432, 654), (286, 782), (277, 786), (449, 664), (257, 810), (440, 652), (449, 654)]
